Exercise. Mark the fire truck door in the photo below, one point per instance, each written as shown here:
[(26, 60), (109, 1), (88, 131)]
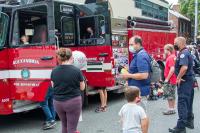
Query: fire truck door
[(4, 73), (32, 53), (95, 42), (3, 36)]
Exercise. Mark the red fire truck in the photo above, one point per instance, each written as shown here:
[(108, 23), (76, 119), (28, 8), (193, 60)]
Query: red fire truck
[(25, 68)]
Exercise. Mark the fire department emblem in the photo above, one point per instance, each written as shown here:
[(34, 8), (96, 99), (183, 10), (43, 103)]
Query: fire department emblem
[(25, 73)]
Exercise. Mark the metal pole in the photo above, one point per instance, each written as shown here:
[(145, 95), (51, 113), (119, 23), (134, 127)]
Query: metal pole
[(196, 22)]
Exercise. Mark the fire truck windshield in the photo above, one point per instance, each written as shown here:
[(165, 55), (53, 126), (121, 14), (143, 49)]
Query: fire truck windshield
[(3, 28)]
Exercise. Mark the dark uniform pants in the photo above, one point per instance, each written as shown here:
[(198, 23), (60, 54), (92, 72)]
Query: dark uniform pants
[(185, 102)]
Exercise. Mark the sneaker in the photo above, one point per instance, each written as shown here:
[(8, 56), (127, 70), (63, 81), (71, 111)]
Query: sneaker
[(169, 112), (45, 123), (49, 125)]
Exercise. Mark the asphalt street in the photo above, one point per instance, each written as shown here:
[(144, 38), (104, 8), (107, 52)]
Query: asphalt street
[(106, 122)]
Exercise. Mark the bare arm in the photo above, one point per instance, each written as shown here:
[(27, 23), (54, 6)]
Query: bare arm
[(171, 72), (140, 76), (52, 84), (136, 76), (182, 72), (145, 125), (82, 86)]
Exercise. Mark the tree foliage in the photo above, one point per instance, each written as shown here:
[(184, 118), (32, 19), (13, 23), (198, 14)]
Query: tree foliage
[(187, 8)]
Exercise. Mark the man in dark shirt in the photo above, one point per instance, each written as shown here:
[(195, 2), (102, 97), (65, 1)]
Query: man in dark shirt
[(185, 90), (139, 68)]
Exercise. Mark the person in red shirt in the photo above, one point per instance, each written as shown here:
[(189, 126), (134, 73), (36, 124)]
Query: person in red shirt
[(170, 78)]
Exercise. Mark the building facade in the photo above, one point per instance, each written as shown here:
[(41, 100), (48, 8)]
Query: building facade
[(150, 9), (153, 9), (181, 24), (157, 9)]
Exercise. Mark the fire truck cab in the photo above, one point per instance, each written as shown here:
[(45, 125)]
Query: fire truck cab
[(47, 26)]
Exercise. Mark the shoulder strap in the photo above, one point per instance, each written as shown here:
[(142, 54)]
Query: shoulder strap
[(151, 58)]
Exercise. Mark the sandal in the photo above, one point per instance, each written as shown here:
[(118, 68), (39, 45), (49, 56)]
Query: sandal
[(169, 112), (100, 109), (105, 108)]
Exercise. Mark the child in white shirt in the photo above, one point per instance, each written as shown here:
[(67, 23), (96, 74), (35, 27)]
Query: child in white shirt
[(133, 116)]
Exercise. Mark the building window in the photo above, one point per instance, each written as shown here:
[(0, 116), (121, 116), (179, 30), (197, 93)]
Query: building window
[(138, 4), (152, 10)]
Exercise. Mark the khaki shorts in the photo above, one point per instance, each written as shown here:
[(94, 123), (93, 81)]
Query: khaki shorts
[(169, 91)]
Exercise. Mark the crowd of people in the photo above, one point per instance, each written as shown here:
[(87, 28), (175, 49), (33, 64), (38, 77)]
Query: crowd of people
[(67, 83), (178, 74)]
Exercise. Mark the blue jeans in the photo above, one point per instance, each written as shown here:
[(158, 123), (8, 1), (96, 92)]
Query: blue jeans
[(48, 107)]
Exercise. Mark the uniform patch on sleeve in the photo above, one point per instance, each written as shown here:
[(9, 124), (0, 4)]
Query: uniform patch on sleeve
[(182, 56)]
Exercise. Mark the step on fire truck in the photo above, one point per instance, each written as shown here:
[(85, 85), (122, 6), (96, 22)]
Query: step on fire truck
[(25, 68)]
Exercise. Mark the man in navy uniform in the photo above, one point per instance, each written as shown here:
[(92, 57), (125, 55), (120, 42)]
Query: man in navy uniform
[(185, 81)]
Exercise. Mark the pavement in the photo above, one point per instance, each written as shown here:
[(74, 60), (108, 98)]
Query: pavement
[(106, 122)]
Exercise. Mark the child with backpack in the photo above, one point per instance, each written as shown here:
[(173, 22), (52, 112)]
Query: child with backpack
[(133, 116)]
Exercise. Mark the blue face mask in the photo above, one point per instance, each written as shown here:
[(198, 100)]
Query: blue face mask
[(132, 49)]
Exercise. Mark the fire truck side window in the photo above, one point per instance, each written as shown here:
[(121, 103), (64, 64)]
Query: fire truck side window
[(68, 31), (3, 28), (92, 30), (30, 26)]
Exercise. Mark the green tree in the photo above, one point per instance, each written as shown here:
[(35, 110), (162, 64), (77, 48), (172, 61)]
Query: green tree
[(187, 8)]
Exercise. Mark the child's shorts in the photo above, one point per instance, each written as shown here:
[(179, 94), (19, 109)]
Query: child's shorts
[(169, 91)]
